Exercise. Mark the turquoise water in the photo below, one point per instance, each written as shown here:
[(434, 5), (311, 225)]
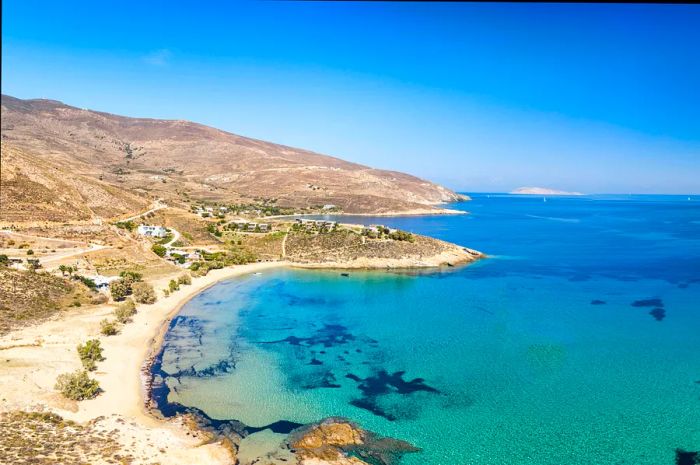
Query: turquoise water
[(577, 342)]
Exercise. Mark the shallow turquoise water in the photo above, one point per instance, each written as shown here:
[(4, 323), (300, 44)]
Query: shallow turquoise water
[(510, 360)]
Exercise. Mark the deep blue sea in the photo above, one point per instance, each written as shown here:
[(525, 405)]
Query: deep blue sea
[(576, 342)]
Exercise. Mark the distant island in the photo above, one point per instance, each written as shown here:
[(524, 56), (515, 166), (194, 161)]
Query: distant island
[(541, 191)]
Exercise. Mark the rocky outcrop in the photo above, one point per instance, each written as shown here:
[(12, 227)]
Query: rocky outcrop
[(338, 441)]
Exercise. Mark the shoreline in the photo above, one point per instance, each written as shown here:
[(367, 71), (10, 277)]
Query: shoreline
[(40, 352), (404, 213), (35, 355)]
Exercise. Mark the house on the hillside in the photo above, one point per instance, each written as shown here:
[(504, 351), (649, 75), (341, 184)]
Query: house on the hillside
[(152, 231), (329, 206), (102, 282)]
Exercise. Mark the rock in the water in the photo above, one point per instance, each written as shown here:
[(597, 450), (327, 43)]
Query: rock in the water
[(340, 442)]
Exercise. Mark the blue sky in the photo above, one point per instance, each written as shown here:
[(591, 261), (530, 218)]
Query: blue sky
[(594, 98)]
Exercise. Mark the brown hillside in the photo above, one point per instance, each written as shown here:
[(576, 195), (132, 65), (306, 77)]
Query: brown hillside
[(32, 189), (171, 158)]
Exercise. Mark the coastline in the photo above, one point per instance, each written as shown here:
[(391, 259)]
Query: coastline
[(37, 354), (408, 213)]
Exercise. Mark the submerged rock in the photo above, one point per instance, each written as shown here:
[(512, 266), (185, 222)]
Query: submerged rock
[(340, 442)]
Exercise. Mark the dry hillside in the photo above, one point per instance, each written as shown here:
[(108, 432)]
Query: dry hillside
[(82, 154)]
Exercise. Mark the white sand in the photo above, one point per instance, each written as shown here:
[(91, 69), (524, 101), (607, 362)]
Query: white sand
[(32, 358)]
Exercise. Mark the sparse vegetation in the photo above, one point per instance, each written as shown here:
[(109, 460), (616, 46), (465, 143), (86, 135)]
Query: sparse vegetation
[(77, 385), (184, 279), (144, 293), (28, 297), (173, 285), (90, 353), (44, 438), (125, 311), (108, 327)]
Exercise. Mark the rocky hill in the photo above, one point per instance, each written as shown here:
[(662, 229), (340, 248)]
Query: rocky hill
[(113, 164)]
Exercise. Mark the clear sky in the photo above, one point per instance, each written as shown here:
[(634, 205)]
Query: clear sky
[(480, 97)]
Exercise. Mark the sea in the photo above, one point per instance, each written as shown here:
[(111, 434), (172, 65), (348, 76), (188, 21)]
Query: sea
[(576, 341)]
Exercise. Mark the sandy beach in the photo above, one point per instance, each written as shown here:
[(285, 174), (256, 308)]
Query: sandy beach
[(33, 357)]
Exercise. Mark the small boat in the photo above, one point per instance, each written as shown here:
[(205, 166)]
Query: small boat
[(257, 273), (544, 199), (345, 274)]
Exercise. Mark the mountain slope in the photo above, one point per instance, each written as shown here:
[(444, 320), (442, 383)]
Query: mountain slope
[(179, 160)]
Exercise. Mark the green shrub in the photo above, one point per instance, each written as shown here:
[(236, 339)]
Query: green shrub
[(128, 225), (131, 276), (4, 260), (88, 282), (108, 327), (90, 353), (125, 311), (173, 285), (159, 250), (120, 289), (30, 252), (77, 385), (144, 293), (184, 279)]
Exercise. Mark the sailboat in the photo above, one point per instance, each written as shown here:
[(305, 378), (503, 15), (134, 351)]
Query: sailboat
[(544, 199)]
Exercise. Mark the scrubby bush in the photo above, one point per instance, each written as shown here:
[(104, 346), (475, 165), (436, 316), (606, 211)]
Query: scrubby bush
[(166, 292), (173, 285), (125, 311), (77, 385), (159, 250), (184, 279), (90, 353), (144, 293), (120, 289), (401, 236), (131, 276), (30, 252), (108, 327), (88, 282), (123, 287)]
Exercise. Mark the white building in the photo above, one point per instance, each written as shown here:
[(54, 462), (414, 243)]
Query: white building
[(102, 282), (152, 231)]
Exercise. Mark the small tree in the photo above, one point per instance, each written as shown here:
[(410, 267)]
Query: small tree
[(77, 385), (120, 289), (184, 279), (144, 293), (4, 260), (90, 353), (30, 252), (63, 269), (173, 285), (108, 327), (125, 311)]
